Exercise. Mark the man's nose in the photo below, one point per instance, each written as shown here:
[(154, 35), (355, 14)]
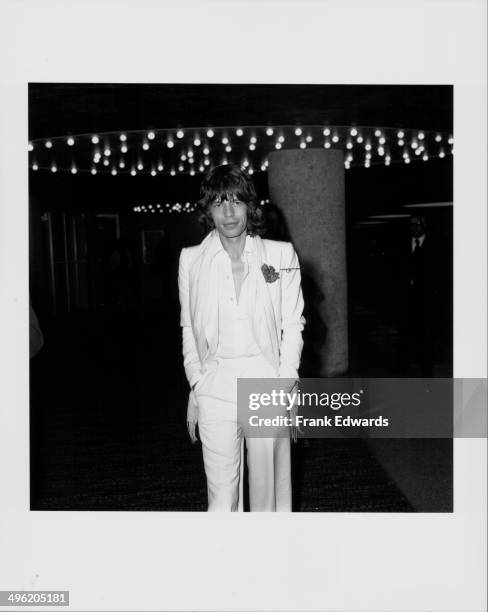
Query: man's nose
[(228, 209)]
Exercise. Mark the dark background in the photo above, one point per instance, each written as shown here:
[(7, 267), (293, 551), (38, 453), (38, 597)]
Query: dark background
[(108, 390)]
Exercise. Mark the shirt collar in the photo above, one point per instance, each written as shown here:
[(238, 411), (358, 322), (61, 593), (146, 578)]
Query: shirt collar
[(420, 239), (216, 245)]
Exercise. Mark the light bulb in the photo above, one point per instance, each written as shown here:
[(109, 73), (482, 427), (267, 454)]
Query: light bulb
[(106, 162), (225, 140), (251, 171), (414, 144), (326, 132), (269, 132), (239, 132), (450, 140), (228, 148), (442, 154), (140, 166), (54, 169), (425, 157), (181, 168), (151, 135), (377, 133), (93, 170), (183, 157), (96, 140), (401, 143), (278, 145), (359, 139), (210, 133), (381, 151), (133, 172), (405, 155), (74, 170), (206, 151), (327, 144), (253, 139), (353, 132), (48, 144), (114, 172), (160, 167), (308, 139), (153, 172), (123, 149), (35, 167), (382, 140), (180, 134), (170, 144), (107, 152), (303, 145), (367, 146), (173, 173), (298, 132), (263, 167), (201, 168), (407, 160), (30, 146), (368, 156), (121, 164), (252, 147), (145, 146), (420, 135), (438, 138), (400, 134), (197, 142), (349, 145), (70, 141), (206, 162), (335, 138), (281, 139), (192, 172), (122, 137)]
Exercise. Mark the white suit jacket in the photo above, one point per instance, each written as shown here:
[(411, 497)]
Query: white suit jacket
[(275, 305)]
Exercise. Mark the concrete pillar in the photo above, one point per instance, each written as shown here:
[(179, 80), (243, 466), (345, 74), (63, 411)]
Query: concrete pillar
[(307, 186)]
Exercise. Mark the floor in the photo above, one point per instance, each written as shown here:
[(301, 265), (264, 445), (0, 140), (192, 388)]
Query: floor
[(108, 432)]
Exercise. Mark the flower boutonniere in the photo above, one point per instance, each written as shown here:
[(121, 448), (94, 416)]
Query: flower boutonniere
[(269, 273)]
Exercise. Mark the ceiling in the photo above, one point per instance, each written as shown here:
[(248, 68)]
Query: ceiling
[(59, 110), (56, 109)]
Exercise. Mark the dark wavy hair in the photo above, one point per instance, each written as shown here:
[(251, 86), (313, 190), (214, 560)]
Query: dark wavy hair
[(230, 180)]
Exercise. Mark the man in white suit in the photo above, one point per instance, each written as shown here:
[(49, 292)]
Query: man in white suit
[(241, 314)]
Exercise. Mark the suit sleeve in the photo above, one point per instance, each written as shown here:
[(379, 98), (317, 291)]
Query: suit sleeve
[(191, 360), (292, 320)]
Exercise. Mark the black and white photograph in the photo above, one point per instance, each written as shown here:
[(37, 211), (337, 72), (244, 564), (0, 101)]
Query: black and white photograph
[(345, 189), (243, 268)]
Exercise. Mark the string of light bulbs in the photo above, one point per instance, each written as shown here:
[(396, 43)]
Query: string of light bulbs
[(193, 151)]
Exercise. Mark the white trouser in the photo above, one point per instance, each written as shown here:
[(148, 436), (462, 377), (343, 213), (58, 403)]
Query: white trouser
[(268, 459)]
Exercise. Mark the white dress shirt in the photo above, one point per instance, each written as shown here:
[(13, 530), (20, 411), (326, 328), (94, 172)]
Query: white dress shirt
[(235, 334)]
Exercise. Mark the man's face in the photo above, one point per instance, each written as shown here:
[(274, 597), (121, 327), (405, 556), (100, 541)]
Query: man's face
[(417, 227), (229, 216)]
